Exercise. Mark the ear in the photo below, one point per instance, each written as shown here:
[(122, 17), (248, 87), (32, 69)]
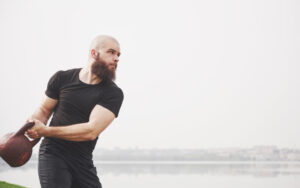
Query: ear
[(94, 53)]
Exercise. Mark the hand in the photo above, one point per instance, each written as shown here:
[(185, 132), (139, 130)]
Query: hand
[(38, 130)]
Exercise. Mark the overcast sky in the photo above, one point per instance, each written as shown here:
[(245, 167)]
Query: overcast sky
[(195, 74)]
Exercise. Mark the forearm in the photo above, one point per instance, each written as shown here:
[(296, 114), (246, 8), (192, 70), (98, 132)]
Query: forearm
[(41, 115), (75, 132), (99, 119)]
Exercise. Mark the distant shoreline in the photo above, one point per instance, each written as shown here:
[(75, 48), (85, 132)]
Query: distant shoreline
[(177, 162), (256, 153)]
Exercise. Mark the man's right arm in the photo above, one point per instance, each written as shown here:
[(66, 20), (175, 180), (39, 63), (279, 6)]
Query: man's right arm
[(45, 110)]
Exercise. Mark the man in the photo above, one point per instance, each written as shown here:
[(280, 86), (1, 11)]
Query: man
[(84, 101)]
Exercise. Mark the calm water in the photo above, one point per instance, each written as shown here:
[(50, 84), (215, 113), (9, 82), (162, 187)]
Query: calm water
[(177, 174)]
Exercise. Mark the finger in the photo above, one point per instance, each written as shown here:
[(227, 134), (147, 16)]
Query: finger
[(30, 120), (31, 136), (34, 136), (30, 131)]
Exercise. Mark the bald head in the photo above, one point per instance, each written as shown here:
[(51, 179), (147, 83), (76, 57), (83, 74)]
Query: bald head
[(101, 41), (104, 56)]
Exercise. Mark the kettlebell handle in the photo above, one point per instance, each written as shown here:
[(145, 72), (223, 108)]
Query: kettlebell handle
[(24, 129)]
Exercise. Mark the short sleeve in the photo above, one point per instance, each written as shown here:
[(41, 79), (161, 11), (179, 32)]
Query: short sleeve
[(53, 86), (112, 100)]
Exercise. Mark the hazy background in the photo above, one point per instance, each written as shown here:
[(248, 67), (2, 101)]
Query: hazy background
[(195, 74)]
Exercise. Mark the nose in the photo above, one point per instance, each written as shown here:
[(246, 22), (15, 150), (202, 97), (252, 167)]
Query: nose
[(116, 59)]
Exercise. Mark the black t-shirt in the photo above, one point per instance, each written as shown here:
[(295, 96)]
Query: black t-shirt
[(76, 100)]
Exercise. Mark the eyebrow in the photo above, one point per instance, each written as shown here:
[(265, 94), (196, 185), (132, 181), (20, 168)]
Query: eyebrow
[(119, 53)]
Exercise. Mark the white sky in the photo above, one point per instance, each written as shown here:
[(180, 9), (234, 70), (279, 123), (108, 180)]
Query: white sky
[(195, 74)]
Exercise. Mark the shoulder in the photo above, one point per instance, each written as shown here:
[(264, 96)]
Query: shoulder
[(69, 74), (63, 73), (113, 89)]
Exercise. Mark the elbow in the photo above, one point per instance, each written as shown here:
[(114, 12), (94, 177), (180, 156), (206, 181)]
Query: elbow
[(92, 137)]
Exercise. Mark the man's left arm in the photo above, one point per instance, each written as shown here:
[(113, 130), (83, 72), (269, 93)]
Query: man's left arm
[(100, 118)]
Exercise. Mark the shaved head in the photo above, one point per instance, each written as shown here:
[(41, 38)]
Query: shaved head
[(104, 56), (101, 41)]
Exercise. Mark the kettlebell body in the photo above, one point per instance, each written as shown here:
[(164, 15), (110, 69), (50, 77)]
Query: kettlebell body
[(16, 148)]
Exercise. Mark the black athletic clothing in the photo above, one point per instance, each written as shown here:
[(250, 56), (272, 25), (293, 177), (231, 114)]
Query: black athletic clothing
[(76, 100), (59, 172)]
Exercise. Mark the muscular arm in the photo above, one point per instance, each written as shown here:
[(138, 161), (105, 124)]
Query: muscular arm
[(100, 118), (45, 110)]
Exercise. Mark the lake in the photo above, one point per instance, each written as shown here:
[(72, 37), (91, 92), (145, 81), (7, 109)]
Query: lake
[(177, 174)]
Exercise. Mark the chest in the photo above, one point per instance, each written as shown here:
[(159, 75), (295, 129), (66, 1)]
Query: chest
[(80, 97)]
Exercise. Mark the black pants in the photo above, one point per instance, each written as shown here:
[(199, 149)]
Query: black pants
[(57, 172)]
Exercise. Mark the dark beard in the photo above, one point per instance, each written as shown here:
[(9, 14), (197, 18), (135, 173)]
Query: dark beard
[(102, 71)]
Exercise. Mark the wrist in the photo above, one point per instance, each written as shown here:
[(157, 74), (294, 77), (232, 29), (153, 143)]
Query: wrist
[(46, 132)]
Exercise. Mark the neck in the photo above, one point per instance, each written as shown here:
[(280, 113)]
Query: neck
[(86, 75)]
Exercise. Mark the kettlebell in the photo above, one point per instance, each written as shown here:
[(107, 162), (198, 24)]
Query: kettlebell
[(16, 148)]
